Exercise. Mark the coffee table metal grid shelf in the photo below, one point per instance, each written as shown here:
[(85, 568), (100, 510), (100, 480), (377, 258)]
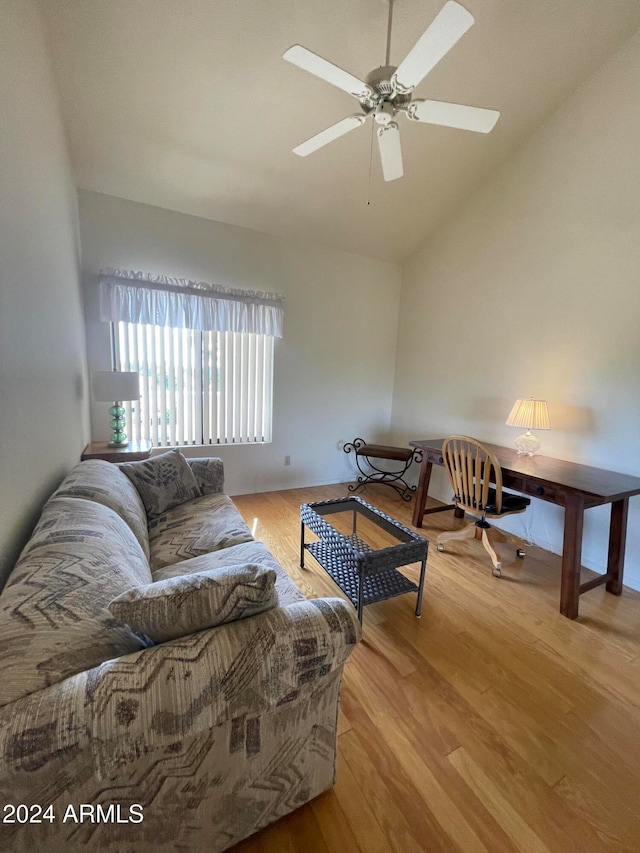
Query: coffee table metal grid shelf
[(365, 574)]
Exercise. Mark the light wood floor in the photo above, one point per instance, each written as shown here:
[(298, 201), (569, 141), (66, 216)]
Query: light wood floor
[(490, 724)]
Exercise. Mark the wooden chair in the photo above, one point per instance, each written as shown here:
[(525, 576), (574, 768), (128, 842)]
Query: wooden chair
[(476, 478)]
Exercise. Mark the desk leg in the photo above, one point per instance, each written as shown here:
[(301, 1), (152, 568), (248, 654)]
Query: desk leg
[(421, 494), (617, 543), (571, 555)]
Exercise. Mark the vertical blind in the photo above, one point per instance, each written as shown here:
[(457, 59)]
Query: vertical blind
[(197, 387)]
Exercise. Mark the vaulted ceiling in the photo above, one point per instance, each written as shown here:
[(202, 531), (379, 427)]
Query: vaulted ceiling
[(188, 105)]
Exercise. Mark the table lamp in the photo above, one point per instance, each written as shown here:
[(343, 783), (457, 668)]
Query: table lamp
[(531, 414), (114, 387)]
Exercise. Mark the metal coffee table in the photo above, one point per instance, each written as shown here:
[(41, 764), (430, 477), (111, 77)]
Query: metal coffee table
[(364, 561)]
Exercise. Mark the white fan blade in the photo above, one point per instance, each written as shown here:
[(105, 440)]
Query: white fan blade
[(453, 115), (325, 136), (390, 151), (314, 64), (448, 27)]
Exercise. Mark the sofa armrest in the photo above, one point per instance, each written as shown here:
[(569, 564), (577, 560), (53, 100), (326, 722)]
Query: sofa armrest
[(209, 473), (150, 700)]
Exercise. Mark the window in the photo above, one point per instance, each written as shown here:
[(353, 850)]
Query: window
[(197, 387), (204, 353)]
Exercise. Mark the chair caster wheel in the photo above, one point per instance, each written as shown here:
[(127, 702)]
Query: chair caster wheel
[(439, 547), (497, 573), (520, 553)]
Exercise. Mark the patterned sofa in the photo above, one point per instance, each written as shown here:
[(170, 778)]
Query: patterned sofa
[(110, 743)]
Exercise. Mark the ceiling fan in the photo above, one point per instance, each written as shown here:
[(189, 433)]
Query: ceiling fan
[(387, 90)]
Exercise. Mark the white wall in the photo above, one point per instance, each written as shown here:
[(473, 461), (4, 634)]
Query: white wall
[(43, 411), (533, 289), (333, 372)]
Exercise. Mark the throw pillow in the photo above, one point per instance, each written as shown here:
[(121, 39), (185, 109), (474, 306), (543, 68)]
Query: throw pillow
[(162, 481), (179, 606)]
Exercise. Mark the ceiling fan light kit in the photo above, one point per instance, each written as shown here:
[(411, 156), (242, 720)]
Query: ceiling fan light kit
[(386, 92)]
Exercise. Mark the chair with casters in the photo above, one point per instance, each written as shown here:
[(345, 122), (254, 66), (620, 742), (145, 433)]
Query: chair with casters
[(476, 478)]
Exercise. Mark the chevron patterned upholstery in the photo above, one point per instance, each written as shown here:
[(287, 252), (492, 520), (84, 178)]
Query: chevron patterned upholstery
[(208, 523), (168, 609), (163, 481), (102, 482), (211, 736), (245, 552), (209, 474), (53, 617)]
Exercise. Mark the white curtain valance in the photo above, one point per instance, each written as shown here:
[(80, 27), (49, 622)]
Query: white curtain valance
[(156, 300)]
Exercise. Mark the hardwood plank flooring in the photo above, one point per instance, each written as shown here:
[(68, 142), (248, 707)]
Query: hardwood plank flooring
[(490, 724)]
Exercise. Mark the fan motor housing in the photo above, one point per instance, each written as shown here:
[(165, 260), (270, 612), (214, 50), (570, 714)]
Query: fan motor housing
[(379, 81)]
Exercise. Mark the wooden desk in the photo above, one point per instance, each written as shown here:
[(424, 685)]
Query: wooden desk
[(575, 487)]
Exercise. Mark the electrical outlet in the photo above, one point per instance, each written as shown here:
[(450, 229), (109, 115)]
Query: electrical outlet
[(287, 460)]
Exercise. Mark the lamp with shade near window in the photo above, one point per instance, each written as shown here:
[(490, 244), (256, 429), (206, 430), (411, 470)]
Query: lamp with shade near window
[(115, 386), (531, 414)]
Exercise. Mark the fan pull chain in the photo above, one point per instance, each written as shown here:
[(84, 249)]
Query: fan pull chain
[(373, 127)]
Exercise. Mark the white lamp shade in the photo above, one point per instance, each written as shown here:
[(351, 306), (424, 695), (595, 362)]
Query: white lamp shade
[(114, 385), (530, 414)]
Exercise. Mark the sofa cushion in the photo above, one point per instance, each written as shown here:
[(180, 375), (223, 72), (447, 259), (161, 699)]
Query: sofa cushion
[(102, 482), (162, 481), (181, 605), (53, 617), (208, 523), (246, 552)]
